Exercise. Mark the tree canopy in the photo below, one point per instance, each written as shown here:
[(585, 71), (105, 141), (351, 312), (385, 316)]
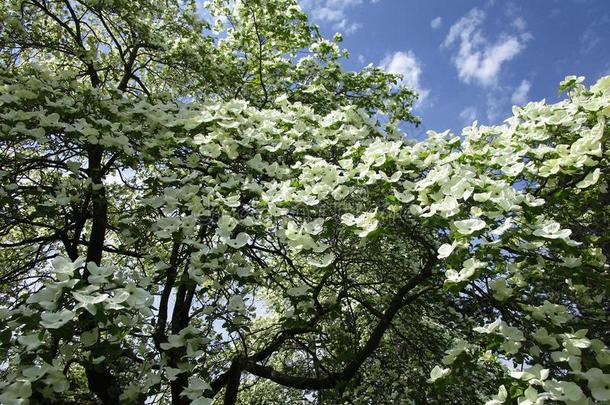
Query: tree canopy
[(201, 206)]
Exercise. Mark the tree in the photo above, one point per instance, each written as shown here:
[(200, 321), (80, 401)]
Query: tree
[(195, 211)]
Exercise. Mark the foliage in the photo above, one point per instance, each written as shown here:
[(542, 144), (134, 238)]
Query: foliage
[(193, 209)]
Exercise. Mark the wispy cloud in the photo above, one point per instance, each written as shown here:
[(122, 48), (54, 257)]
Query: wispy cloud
[(589, 40), (497, 104), (477, 58), (468, 115), (436, 23), (407, 65), (592, 35), (520, 95), (334, 13), (519, 23)]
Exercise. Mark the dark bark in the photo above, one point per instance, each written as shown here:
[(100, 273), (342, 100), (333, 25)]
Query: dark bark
[(103, 384), (180, 320), (180, 316), (177, 386), (101, 381), (233, 380), (170, 279), (99, 212)]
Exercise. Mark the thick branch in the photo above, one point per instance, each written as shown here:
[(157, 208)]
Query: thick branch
[(99, 221), (233, 380), (170, 275), (399, 300)]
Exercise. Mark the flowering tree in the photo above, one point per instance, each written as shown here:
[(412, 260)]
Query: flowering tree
[(195, 213)]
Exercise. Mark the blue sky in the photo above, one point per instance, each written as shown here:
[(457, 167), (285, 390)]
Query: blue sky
[(472, 59)]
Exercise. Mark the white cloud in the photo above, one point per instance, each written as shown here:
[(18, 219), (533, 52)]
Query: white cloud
[(521, 92), (361, 58), (589, 40), (477, 59), (436, 23), (591, 36), (328, 14), (347, 27), (334, 13), (496, 105), (407, 65), (468, 115), (519, 23)]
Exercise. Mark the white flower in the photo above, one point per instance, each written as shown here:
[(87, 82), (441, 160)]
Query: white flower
[(236, 304), (447, 207), (298, 291), (314, 227), (225, 226), (590, 179), (89, 337), (446, 249), (543, 337), (532, 374), (242, 271), (57, 380), (340, 192), (530, 397), (47, 297), (173, 341), (211, 149), (36, 372), (299, 238), (469, 226), (120, 296), (511, 333), (572, 262), (500, 398), (514, 169), (257, 163), (17, 393), (563, 390), (499, 231), (568, 356), (55, 320), (324, 261), (292, 232), (460, 346), (501, 291), (366, 222), (558, 314), (404, 197), (490, 328), (64, 267), (599, 384), (202, 401), (481, 197), (470, 267), (137, 297), (552, 230), (88, 301), (240, 240), (438, 372), (195, 388), (130, 393), (99, 274), (31, 341), (172, 373)]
